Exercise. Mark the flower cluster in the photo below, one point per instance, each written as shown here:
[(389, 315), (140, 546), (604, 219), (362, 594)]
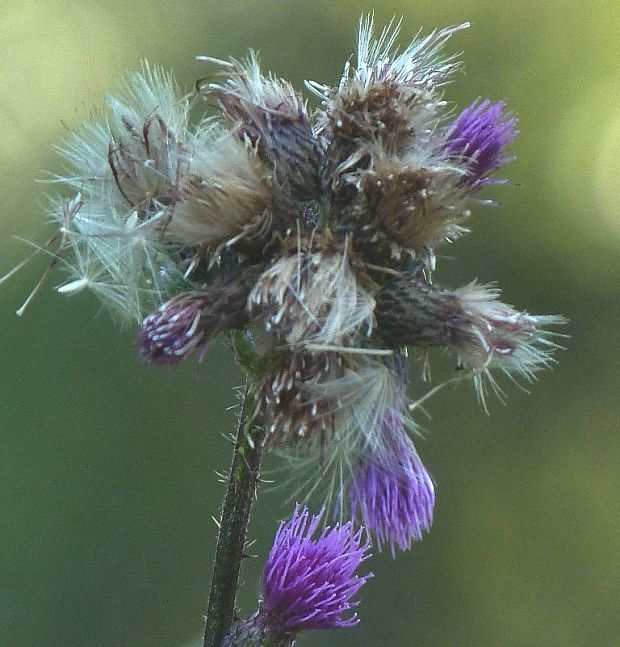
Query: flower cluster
[(314, 231), (309, 582)]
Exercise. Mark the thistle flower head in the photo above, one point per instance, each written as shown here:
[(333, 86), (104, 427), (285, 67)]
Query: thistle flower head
[(271, 115), (472, 322), (391, 493), (312, 299), (388, 95), (309, 580), (479, 136), (186, 324), (175, 330)]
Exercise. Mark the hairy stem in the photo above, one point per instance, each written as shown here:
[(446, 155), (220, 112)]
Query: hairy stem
[(240, 494)]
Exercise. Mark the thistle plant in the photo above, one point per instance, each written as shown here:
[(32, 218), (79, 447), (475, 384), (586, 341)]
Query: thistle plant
[(306, 233)]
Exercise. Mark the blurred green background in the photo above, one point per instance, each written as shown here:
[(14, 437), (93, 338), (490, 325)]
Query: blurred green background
[(107, 465)]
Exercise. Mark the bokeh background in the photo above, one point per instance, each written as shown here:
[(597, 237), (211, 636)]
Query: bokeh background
[(107, 482)]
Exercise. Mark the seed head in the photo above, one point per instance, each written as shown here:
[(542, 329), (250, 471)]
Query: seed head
[(226, 195)]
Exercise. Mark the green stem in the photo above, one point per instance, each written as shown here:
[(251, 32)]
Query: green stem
[(240, 494)]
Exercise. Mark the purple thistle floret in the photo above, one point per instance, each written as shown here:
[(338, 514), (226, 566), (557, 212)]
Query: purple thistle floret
[(392, 494), (309, 583), (479, 136)]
